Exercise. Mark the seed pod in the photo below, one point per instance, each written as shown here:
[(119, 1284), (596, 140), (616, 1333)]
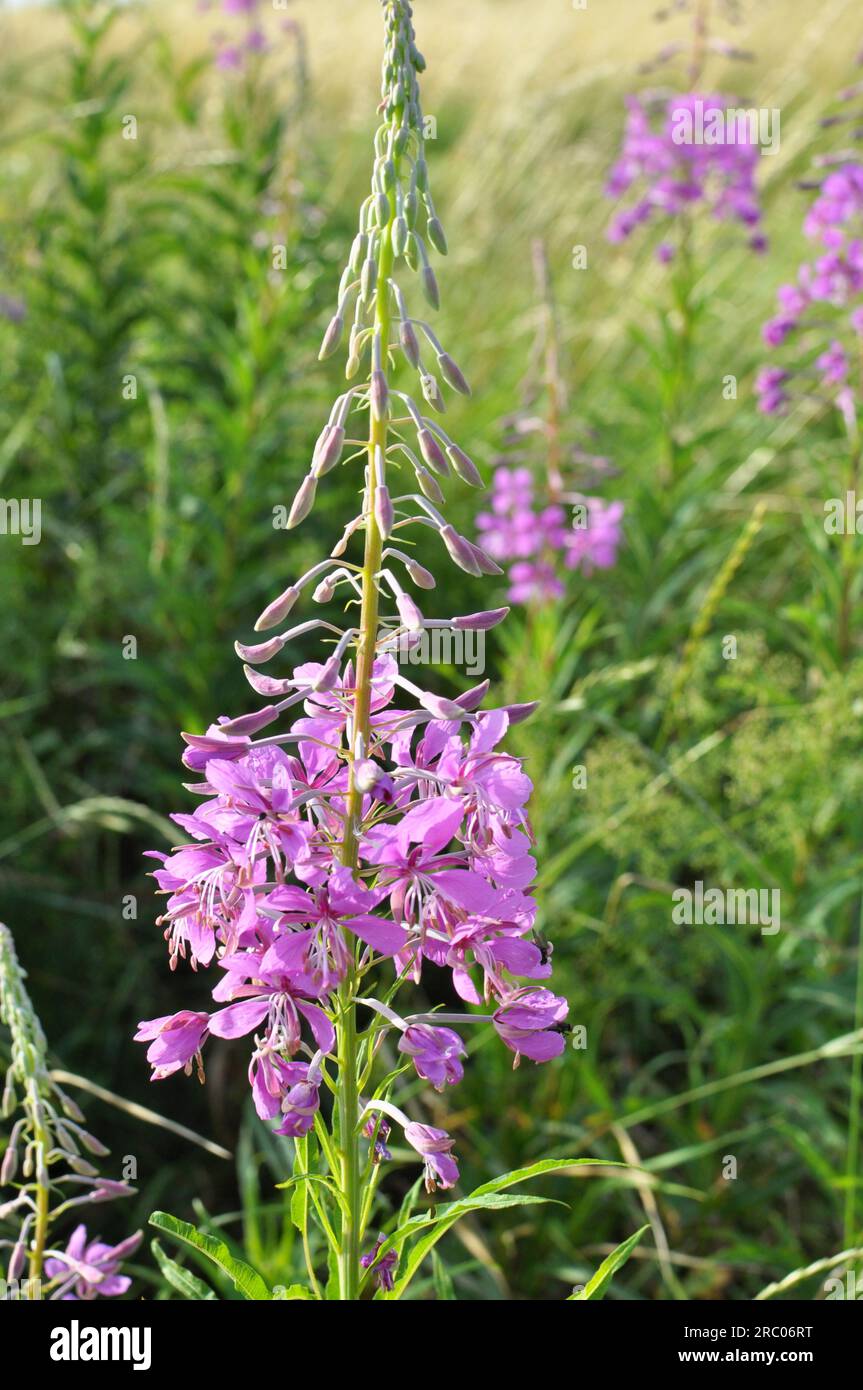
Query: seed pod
[(452, 373), (464, 466), (379, 395), (461, 551), (303, 502), (437, 235), (332, 337)]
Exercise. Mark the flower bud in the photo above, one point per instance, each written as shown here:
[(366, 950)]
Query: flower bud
[(409, 343), (428, 484), (437, 235), (480, 622), (383, 509), (332, 337), (246, 724), (328, 449), (464, 466), (430, 287), (452, 373), (419, 574), (277, 610), (432, 452), (382, 209), (379, 395), (358, 252), (257, 655), (368, 281), (486, 564), (409, 613), (400, 236), (303, 502), (461, 551), (432, 393)]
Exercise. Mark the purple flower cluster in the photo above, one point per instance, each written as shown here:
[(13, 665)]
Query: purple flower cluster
[(538, 535), (823, 310), (696, 153), (245, 37), (444, 872)]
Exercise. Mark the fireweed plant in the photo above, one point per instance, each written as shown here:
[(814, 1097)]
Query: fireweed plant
[(46, 1173), (538, 520), (686, 156), (384, 833), (818, 333)]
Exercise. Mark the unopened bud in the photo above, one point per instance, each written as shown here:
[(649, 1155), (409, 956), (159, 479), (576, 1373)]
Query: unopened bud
[(332, 337), (432, 452), (379, 395), (401, 233), (432, 393), (429, 485), (383, 510), (461, 551), (303, 502), (453, 374), (464, 466), (409, 343), (409, 613), (277, 610), (430, 287), (264, 651), (419, 574), (368, 281), (480, 622), (328, 449), (437, 235)]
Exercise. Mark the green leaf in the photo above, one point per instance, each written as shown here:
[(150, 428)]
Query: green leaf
[(186, 1283), (611, 1264), (485, 1197), (245, 1279), (293, 1291)]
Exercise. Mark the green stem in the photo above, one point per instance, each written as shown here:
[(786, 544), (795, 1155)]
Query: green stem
[(348, 1091), (852, 1158)]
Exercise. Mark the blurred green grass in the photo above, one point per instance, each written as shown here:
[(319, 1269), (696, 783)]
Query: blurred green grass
[(153, 258)]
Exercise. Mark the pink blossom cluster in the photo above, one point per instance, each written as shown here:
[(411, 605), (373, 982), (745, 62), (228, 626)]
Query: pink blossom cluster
[(541, 538), (821, 313), (696, 154), (445, 869)]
